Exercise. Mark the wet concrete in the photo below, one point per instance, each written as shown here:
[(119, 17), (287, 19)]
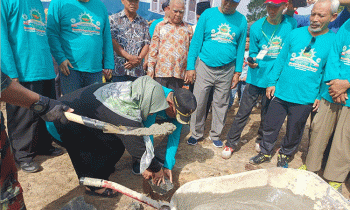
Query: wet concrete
[(155, 129)]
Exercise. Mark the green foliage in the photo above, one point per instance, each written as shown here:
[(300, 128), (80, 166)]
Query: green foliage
[(256, 10)]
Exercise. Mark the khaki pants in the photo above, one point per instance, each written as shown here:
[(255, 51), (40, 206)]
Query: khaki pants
[(322, 128), (338, 164)]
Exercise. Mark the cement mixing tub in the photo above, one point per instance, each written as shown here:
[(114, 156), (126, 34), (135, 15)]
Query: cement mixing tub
[(274, 188)]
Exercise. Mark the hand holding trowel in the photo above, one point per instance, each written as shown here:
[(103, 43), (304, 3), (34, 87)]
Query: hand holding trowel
[(155, 129)]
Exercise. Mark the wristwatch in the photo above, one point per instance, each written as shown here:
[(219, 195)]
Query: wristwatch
[(40, 106)]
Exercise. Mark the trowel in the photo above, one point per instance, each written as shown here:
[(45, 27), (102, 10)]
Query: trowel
[(123, 130)]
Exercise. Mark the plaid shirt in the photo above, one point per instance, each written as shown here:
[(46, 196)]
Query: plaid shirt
[(132, 37), (169, 49)]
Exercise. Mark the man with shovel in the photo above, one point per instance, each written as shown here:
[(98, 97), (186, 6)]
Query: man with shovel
[(94, 153)]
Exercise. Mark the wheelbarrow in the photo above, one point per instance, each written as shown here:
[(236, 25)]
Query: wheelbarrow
[(282, 184)]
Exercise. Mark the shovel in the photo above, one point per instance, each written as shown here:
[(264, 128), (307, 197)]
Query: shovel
[(124, 190), (156, 129)]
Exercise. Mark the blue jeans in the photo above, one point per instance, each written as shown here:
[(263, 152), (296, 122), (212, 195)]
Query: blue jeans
[(78, 79), (240, 86)]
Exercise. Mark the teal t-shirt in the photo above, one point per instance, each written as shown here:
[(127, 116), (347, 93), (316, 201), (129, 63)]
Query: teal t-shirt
[(261, 34), (153, 26), (297, 74), (25, 52), (338, 65), (80, 32), (218, 40)]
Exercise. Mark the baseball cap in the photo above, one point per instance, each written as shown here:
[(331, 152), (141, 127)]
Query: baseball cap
[(165, 4), (276, 2), (185, 104)]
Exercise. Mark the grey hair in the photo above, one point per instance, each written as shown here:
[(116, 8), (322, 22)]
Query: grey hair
[(177, 1), (334, 5)]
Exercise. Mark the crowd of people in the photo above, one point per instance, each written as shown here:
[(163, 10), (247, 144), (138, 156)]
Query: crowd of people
[(296, 65)]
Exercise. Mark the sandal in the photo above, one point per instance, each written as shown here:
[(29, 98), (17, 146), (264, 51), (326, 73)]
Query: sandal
[(107, 193)]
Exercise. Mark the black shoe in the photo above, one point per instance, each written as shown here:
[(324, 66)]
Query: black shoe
[(136, 168), (30, 167), (282, 160), (260, 158), (52, 152)]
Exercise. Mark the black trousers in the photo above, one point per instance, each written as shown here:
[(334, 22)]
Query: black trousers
[(249, 99), (27, 131), (277, 112)]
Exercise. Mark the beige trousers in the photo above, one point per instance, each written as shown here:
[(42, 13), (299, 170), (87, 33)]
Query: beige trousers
[(338, 164), (322, 128)]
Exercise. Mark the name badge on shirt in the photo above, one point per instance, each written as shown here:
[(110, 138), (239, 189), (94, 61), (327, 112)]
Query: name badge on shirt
[(262, 54)]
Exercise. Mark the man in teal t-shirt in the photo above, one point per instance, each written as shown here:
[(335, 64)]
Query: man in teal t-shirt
[(219, 42), (294, 83), (80, 40), (267, 35), (25, 57), (333, 115)]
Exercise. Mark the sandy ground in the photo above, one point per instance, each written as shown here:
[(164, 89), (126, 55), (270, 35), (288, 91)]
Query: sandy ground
[(57, 183)]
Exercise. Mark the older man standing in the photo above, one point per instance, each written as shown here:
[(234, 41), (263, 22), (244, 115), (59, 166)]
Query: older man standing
[(131, 41), (294, 82), (80, 41), (219, 42), (167, 60), (267, 38), (333, 115)]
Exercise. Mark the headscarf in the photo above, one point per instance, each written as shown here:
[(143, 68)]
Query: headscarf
[(133, 100), (150, 96)]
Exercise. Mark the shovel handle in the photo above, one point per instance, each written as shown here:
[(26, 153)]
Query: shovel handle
[(124, 190), (92, 123), (74, 118)]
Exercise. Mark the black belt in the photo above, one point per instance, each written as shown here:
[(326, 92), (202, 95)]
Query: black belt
[(223, 66)]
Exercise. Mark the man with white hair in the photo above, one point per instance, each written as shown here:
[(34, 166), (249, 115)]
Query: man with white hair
[(167, 59), (294, 83), (333, 115)]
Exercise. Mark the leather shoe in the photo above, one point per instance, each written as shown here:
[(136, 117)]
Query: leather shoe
[(30, 167), (52, 152)]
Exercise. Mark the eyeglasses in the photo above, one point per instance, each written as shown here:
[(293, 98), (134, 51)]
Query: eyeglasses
[(308, 48), (178, 11)]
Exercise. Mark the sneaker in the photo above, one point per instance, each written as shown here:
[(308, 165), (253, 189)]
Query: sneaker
[(336, 185), (303, 167), (217, 143), (282, 160), (257, 147), (192, 141), (227, 152), (136, 168), (260, 158)]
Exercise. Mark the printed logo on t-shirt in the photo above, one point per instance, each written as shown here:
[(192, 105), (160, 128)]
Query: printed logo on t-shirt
[(223, 34), (345, 55), (275, 47), (34, 22), (305, 61), (85, 25)]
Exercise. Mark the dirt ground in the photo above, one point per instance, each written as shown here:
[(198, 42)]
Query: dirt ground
[(57, 183)]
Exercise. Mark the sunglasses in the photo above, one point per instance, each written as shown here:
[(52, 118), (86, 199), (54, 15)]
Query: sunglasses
[(308, 48)]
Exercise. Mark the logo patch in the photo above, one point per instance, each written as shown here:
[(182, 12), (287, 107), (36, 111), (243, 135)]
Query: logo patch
[(305, 61), (34, 22), (85, 25), (223, 34)]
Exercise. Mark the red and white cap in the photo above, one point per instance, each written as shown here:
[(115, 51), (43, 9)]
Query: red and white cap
[(276, 2)]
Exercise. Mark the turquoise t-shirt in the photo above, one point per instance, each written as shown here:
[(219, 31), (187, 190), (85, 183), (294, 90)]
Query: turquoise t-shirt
[(296, 74), (80, 32), (25, 52), (338, 66), (258, 42), (153, 26), (218, 40), (173, 139)]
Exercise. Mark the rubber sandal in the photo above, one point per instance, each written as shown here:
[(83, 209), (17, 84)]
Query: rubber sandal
[(108, 193)]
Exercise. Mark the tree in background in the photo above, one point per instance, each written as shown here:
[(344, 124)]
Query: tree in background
[(256, 10)]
